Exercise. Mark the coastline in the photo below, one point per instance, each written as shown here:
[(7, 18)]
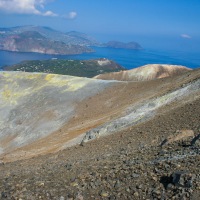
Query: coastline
[(125, 57)]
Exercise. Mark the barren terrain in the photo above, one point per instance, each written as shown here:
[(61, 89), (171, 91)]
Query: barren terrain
[(144, 73), (63, 154)]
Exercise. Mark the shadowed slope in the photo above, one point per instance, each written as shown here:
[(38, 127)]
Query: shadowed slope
[(146, 72)]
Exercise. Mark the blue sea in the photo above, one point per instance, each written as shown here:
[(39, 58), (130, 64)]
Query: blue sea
[(127, 58)]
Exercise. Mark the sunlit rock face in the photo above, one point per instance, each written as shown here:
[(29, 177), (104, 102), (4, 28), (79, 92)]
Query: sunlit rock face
[(146, 72)]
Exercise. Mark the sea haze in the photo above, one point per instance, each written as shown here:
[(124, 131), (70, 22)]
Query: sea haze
[(127, 58)]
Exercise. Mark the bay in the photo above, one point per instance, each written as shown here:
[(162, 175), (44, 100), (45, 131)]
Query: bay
[(127, 58)]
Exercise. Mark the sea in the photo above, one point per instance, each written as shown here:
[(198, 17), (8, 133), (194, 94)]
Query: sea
[(125, 57)]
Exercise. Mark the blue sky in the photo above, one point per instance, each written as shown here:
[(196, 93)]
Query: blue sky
[(149, 22)]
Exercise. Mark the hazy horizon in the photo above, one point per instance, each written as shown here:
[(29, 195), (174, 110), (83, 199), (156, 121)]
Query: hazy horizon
[(171, 24)]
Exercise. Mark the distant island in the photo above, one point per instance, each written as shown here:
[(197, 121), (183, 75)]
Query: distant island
[(45, 40), (32, 41), (122, 45), (81, 68), (39, 39)]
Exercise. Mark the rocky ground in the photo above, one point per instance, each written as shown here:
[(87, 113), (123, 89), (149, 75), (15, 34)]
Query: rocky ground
[(137, 163)]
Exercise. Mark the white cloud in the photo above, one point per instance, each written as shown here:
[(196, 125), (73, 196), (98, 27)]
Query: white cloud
[(25, 7), (70, 15), (50, 13), (186, 36)]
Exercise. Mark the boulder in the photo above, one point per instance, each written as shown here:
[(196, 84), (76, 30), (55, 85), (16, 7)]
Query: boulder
[(179, 135), (1, 162), (196, 140), (182, 179)]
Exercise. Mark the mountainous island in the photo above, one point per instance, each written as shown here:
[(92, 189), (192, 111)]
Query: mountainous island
[(82, 68), (66, 137), (44, 40), (32, 41), (49, 41), (122, 45), (71, 38)]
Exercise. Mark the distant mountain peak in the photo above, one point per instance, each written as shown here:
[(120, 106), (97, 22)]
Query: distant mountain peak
[(70, 38), (31, 34)]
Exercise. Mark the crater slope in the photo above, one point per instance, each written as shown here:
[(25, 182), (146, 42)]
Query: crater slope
[(45, 113), (150, 148), (146, 72), (34, 105)]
